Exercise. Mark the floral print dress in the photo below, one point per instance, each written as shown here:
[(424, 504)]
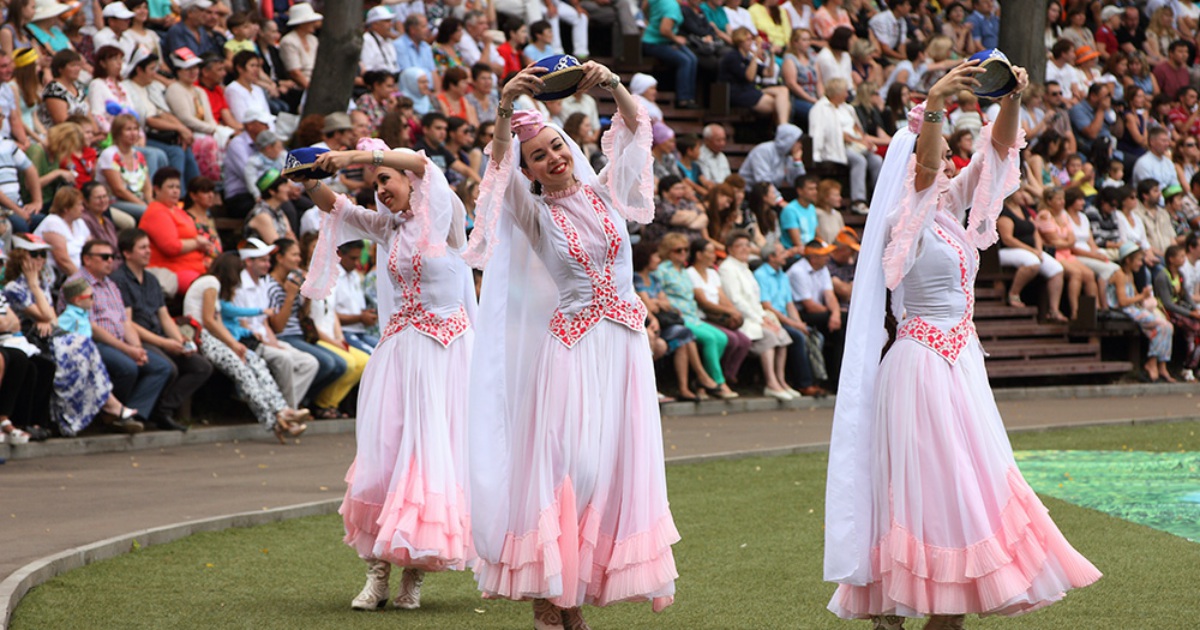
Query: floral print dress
[(81, 383)]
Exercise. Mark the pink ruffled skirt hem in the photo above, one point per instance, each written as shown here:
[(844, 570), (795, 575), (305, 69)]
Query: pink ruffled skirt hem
[(1026, 565)]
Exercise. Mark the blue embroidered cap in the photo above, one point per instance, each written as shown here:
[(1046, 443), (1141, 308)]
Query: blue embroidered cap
[(564, 73), (999, 78), (299, 164)]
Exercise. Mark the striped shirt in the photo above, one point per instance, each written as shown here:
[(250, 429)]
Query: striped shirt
[(278, 296), (108, 309)]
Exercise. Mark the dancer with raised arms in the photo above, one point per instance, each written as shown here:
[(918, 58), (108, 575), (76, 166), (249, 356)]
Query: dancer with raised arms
[(926, 512), (407, 501), (569, 493)]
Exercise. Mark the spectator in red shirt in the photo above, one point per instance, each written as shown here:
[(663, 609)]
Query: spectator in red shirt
[(212, 81), (178, 253), (1185, 116), (1172, 74), (517, 35), (1106, 33)]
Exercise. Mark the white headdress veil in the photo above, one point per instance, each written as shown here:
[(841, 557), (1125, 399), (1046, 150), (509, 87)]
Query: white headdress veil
[(849, 513)]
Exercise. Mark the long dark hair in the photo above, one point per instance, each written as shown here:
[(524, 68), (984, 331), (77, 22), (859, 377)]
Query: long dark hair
[(764, 214), (227, 269)]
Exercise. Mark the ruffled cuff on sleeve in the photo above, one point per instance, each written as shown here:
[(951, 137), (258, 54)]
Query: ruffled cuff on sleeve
[(322, 269), (915, 212), (999, 176), (489, 207), (629, 176), (433, 206)]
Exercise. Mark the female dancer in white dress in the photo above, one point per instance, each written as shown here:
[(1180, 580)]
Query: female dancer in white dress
[(406, 501), (926, 513), (567, 477)]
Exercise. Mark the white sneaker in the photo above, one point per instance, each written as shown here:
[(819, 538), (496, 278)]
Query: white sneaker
[(779, 394), (1188, 376), (375, 593)]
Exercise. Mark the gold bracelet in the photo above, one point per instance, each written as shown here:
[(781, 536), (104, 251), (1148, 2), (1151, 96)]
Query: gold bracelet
[(504, 112), (931, 169)]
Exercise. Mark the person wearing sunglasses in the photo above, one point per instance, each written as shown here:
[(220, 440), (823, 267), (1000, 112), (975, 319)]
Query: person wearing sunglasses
[(82, 388), (138, 376)]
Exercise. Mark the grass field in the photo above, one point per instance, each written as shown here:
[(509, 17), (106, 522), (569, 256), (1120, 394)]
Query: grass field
[(750, 558)]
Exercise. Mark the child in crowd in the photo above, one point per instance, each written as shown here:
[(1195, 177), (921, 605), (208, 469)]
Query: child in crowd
[(967, 116), (244, 31), (1115, 177), (268, 155), (541, 41), (1082, 175), (76, 319)]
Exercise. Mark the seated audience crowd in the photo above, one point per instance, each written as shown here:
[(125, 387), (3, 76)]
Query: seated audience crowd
[(150, 238)]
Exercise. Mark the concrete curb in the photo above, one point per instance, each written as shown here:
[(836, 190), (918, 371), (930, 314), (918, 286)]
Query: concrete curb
[(15, 586), (250, 432), (91, 445)]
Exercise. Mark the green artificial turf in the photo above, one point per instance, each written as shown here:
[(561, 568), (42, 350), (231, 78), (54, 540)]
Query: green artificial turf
[(750, 558)]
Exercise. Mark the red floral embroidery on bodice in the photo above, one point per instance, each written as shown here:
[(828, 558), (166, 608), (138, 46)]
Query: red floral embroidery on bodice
[(606, 303), (947, 344), (412, 312)]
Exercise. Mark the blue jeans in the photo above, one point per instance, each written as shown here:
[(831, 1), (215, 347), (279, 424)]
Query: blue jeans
[(137, 386), (685, 63), (362, 341), (800, 109), (20, 226), (180, 159), (799, 370), (330, 367)]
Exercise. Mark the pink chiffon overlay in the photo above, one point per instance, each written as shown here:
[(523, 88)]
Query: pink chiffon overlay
[(956, 528), (406, 499), (575, 508)]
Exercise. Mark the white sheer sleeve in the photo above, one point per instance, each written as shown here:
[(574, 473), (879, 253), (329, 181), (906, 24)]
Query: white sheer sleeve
[(345, 222), (629, 176), (984, 185)]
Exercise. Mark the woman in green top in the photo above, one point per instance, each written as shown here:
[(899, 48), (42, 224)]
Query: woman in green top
[(672, 273), (662, 41)]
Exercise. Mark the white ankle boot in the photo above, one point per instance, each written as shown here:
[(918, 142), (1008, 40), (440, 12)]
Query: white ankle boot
[(375, 593), (409, 596)]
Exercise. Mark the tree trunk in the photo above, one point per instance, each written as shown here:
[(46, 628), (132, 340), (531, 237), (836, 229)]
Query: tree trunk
[(1022, 29), (337, 58)]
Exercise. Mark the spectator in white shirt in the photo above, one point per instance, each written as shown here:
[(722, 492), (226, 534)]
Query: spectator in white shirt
[(837, 137), (350, 301), (117, 18), (243, 94), (475, 45), (378, 47), (812, 289), (889, 30), (1156, 164), (1060, 68), (713, 161), (292, 369)]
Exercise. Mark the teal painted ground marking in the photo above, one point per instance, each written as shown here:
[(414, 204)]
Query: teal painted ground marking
[(1159, 490)]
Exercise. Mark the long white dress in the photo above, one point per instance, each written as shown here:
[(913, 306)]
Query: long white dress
[(576, 509), (406, 498), (956, 528)]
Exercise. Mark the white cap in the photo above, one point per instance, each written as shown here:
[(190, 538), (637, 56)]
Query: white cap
[(258, 114), (379, 14), (184, 58), (302, 13), (117, 10), (140, 54), (642, 82), (188, 5), (254, 248), (29, 242)]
